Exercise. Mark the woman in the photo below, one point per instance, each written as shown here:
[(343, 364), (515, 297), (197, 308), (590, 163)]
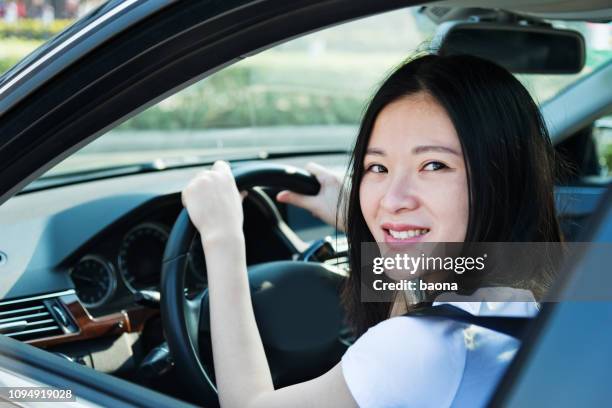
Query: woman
[(449, 149)]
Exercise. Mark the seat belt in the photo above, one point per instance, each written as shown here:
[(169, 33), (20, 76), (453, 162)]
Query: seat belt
[(512, 326)]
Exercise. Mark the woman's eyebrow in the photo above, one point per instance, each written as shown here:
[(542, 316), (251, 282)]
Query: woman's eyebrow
[(375, 151), (442, 149)]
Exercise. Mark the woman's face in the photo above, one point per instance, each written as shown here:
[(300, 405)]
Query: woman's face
[(414, 187)]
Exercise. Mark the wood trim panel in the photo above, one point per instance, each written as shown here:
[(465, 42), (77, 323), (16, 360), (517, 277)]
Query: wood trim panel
[(126, 321)]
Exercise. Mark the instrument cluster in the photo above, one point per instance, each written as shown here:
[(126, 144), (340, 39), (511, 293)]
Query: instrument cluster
[(134, 265)]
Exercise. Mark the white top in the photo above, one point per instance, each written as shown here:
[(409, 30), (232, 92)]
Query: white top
[(429, 362)]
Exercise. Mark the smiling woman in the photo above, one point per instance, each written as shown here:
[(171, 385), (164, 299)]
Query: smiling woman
[(426, 167), (466, 150), (428, 158)]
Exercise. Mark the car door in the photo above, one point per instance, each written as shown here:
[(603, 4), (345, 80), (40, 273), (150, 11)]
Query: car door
[(566, 360)]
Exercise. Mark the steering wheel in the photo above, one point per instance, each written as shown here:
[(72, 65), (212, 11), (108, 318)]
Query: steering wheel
[(296, 304)]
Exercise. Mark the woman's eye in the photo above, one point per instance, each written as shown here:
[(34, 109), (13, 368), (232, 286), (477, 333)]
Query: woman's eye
[(376, 168), (433, 166)]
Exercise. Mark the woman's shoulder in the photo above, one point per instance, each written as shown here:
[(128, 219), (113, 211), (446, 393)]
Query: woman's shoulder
[(406, 361), (420, 361), (401, 330), (408, 335)]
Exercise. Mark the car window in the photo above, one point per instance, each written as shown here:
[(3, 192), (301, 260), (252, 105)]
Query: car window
[(602, 133), (305, 95)]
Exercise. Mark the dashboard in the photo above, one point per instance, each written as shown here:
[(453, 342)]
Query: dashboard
[(105, 239), (126, 257), (75, 259)]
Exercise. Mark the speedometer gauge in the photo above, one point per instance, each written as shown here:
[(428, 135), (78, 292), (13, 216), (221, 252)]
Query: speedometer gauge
[(94, 280), (140, 256)]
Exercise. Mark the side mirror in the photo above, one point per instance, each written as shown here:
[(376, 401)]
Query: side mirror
[(522, 49)]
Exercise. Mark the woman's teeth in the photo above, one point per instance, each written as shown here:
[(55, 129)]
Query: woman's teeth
[(408, 233)]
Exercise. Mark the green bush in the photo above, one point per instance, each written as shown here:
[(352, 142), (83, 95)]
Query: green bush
[(12, 50), (6, 63), (32, 29), (232, 98)]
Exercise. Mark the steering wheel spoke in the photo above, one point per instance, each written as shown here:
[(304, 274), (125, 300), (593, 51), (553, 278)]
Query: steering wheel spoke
[(193, 316)]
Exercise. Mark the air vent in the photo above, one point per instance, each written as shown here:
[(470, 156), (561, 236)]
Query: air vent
[(33, 318)]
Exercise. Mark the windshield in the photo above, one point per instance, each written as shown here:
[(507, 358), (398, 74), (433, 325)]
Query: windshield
[(306, 95)]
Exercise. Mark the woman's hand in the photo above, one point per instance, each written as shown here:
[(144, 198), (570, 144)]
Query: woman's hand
[(324, 204), (214, 204)]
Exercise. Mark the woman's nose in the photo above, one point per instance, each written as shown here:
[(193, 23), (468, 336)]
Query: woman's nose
[(399, 196)]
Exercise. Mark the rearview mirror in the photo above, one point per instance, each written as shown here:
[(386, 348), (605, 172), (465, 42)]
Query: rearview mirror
[(520, 49)]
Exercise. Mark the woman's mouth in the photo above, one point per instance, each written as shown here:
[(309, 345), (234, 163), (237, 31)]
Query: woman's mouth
[(404, 233)]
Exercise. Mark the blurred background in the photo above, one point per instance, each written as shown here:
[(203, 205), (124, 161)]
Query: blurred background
[(26, 24)]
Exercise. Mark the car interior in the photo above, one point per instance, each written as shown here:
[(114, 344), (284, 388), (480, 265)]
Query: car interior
[(82, 247)]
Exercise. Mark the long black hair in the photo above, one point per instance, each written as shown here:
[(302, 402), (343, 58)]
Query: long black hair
[(506, 147)]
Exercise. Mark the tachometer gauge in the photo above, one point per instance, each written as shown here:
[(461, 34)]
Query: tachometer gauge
[(94, 280), (140, 256)]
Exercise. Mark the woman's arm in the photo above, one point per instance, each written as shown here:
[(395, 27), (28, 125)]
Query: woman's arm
[(242, 372)]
